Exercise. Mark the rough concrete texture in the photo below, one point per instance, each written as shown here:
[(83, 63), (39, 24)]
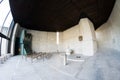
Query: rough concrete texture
[(108, 35), (46, 41), (89, 38), (102, 66), (43, 41), (71, 40)]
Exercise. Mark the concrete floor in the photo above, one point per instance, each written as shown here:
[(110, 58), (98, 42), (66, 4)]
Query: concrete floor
[(105, 65)]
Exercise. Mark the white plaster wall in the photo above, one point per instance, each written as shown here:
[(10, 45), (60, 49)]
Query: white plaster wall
[(85, 29), (71, 41), (87, 46), (89, 38), (104, 37), (45, 41), (4, 46), (108, 35), (60, 46)]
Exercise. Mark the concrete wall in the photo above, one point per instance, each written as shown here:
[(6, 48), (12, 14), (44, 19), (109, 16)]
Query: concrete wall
[(87, 46), (71, 41), (45, 41), (61, 45), (108, 35)]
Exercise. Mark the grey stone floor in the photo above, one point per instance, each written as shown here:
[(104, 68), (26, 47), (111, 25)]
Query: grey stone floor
[(105, 65)]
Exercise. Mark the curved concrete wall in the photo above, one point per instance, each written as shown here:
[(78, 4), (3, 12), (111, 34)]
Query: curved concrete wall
[(108, 35), (89, 45)]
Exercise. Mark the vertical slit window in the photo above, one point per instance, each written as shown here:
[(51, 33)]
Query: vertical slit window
[(57, 36)]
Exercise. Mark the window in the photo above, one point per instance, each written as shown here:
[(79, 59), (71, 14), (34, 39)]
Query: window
[(1, 1), (5, 25), (57, 38), (4, 10)]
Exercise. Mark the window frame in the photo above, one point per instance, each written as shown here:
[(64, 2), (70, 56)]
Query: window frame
[(1, 1)]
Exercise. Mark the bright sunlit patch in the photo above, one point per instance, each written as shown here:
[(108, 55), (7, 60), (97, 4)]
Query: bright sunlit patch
[(4, 11), (57, 36)]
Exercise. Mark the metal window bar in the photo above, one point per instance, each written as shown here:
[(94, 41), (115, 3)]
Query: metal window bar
[(4, 36)]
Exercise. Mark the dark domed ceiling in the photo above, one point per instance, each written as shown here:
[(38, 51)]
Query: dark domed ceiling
[(59, 15)]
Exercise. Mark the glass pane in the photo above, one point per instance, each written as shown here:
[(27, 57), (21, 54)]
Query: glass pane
[(8, 20), (6, 25), (4, 9)]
